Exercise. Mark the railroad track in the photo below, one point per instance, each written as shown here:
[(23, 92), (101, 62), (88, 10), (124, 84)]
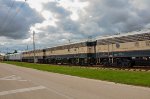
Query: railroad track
[(135, 68)]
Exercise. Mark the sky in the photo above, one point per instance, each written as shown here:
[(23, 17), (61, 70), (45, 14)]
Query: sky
[(57, 22)]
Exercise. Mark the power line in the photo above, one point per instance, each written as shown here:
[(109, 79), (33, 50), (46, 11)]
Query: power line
[(13, 17), (8, 13)]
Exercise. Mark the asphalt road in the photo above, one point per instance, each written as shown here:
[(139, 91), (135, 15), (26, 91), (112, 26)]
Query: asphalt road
[(24, 83)]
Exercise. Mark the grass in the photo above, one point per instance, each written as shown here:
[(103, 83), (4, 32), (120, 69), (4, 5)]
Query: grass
[(117, 76)]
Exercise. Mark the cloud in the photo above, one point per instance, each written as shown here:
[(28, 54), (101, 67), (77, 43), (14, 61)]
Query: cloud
[(64, 23), (100, 17), (113, 16), (74, 19), (64, 29), (17, 18)]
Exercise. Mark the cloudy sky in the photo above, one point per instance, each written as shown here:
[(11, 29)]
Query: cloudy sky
[(56, 22)]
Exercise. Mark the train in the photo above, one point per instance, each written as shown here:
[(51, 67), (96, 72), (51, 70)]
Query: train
[(13, 57), (1, 57), (80, 53), (121, 50)]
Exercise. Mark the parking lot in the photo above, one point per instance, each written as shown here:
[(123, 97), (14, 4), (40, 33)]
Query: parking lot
[(24, 83), (16, 87)]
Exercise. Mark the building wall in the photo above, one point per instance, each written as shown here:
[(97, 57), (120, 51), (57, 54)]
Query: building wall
[(16, 56), (1, 58)]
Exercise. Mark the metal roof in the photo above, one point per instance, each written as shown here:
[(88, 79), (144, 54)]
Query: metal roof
[(127, 37), (124, 34)]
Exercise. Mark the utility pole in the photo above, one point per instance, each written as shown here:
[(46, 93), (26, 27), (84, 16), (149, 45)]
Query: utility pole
[(34, 46), (27, 47), (89, 38), (112, 54), (7, 54), (108, 52), (69, 41)]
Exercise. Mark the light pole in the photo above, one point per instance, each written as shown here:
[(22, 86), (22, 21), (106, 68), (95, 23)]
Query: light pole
[(7, 54), (108, 52), (112, 54), (34, 46)]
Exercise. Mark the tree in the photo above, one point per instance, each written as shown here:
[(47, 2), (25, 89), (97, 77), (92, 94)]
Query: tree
[(15, 51)]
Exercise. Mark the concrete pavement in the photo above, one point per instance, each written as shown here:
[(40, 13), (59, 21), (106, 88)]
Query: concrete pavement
[(24, 83)]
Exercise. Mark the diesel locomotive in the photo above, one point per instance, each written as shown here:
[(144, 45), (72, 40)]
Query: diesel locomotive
[(123, 50)]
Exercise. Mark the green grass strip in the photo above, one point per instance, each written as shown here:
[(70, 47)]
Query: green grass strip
[(117, 76)]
